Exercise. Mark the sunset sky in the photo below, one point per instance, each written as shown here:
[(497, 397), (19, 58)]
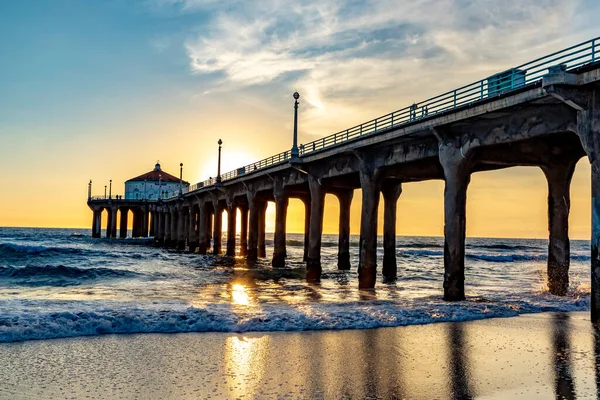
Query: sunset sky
[(102, 89)]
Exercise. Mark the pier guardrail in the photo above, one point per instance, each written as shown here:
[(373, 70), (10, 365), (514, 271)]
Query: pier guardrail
[(492, 86)]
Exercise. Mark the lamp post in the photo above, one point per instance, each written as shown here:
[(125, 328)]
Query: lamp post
[(104, 192), (295, 152), (90, 190), (159, 186), (110, 189), (180, 179), (220, 142)]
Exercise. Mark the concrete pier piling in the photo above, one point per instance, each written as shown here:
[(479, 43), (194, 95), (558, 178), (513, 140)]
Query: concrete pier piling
[(231, 226), (307, 207), (217, 229), (244, 230), (559, 177), (457, 176), (391, 191), (317, 204), (550, 124), (123, 225), (345, 200), (262, 230), (281, 206), (203, 229), (370, 187), (253, 206)]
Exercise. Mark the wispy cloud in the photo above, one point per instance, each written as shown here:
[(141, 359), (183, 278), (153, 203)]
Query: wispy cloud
[(345, 54)]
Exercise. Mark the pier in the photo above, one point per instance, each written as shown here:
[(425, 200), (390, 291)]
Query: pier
[(545, 113)]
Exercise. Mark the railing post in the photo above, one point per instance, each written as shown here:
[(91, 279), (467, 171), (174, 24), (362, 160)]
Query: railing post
[(512, 78), (454, 98), (347, 134), (392, 120), (375, 127), (481, 91), (594, 50), (360, 133)]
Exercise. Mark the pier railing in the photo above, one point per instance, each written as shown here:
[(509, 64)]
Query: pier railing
[(490, 87)]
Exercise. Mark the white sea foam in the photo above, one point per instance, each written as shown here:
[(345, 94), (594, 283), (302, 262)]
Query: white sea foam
[(45, 320)]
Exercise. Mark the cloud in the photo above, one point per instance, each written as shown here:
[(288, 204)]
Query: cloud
[(345, 54)]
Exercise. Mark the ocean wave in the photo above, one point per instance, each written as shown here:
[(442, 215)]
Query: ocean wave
[(497, 257), (62, 272), (40, 324), (500, 246), (27, 251)]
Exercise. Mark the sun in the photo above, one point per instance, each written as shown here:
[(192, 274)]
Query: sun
[(230, 161)]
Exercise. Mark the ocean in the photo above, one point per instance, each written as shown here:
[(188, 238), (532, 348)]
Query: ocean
[(62, 283)]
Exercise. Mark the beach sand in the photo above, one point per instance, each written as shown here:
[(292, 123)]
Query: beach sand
[(532, 356)]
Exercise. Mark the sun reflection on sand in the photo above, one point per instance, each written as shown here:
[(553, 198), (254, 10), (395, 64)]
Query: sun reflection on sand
[(244, 357)]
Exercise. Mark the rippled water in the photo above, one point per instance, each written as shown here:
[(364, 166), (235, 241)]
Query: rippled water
[(61, 282)]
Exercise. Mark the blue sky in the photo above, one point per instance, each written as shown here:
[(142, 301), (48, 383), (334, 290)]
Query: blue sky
[(102, 89)]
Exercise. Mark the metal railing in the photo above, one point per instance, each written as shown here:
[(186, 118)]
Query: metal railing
[(103, 197), (492, 86)]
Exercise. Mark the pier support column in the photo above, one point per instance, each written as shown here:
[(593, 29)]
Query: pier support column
[(457, 176), (262, 230), (370, 187), (145, 221), (317, 197), (203, 229), (231, 225), (181, 228), (113, 222), (345, 199), (173, 227), (168, 222), (391, 191), (244, 231), (587, 104), (135, 225), (217, 229), (558, 175), (193, 226), (160, 227), (123, 225), (152, 223), (307, 203), (595, 295), (109, 218), (97, 224), (253, 206), (281, 206)]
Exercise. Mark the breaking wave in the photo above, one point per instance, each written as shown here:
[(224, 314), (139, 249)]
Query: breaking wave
[(50, 274), (221, 318)]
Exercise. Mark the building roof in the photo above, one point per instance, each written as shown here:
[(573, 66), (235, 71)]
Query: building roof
[(155, 175)]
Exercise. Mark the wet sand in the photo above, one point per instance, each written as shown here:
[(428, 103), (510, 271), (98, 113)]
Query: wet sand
[(534, 356)]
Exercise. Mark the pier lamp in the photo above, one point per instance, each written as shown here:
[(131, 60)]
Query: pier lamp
[(90, 190), (180, 179), (104, 192), (220, 142), (159, 186), (110, 189), (295, 152)]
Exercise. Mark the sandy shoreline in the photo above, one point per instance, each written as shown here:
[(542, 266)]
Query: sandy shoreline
[(533, 356)]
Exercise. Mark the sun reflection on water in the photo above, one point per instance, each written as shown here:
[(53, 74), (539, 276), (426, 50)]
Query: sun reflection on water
[(239, 295)]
